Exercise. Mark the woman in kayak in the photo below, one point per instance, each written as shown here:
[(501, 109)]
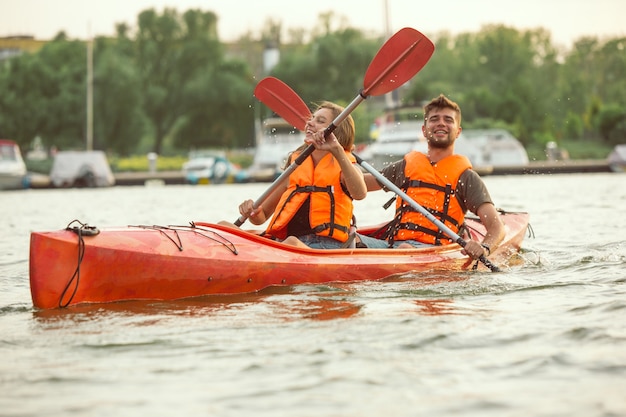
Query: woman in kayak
[(314, 207)]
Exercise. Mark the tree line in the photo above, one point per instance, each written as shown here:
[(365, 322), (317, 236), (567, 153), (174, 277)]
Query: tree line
[(170, 85)]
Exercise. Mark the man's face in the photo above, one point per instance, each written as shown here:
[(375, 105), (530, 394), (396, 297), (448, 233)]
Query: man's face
[(441, 128)]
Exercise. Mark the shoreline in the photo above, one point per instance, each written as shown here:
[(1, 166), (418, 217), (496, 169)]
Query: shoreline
[(579, 166), (39, 181)]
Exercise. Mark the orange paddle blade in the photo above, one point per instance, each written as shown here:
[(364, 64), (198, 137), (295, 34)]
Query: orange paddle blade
[(397, 61), (283, 101)]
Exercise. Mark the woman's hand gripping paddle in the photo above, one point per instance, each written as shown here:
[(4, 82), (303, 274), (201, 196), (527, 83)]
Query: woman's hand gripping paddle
[(395, 63)]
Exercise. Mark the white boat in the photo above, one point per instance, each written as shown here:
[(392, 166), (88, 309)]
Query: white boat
[(397, 132), (81, 169), (488, 148), (617, 158), (276, 139), (13, 173), (400, 131), (210, 168)]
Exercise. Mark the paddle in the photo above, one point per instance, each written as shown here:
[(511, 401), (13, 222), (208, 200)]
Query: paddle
[(395, 63), (288, 105)]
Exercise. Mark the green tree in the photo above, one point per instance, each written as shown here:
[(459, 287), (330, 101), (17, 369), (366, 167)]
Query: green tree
[(21, 112), (171, 52), (611, 67), (499, 74), (580, 77), (63, 91), (119, 122), (45, 95), (611, 121), (219, 109), (171, 81), (330, 67)]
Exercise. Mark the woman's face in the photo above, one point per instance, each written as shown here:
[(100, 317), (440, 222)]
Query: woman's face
[(318, 121)]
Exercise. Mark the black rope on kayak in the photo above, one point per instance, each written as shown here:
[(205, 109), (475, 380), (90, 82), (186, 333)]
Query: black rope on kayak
[(162, 230), (223, 241), (195, 229), (82, 230), (465, 229)]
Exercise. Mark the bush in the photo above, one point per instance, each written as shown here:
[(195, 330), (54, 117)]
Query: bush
[(577, 149), (140, 163), (612, 124)]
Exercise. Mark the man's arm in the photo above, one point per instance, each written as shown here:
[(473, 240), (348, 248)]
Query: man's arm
[(477, 200), (495, 228), (371, 182), (393, 172), (495, 232)]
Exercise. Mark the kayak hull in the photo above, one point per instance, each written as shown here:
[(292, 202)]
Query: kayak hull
[(75, 266)]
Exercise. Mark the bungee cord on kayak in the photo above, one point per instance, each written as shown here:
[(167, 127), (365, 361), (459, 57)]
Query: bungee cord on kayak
[(83, 229)]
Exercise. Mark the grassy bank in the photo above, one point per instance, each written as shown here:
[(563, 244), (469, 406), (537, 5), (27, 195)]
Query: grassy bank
[(140, 163), (577, 149)]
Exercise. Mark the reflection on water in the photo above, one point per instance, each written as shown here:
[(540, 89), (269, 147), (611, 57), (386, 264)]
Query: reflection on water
[(324, 302), (434, 307), (313, 302), (197, 306)]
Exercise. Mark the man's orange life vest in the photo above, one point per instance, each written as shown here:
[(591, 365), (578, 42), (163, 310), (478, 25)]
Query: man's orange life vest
[(432, 186)]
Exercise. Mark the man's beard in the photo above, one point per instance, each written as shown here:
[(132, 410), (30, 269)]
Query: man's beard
[(437, 144)]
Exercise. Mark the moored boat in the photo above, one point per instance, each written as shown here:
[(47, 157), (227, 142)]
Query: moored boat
[(81, 169), (617, 158), (275, 140), (13, 173), (396, 133), (84, 264)]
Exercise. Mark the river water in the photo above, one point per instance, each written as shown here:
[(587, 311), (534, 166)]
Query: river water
[(546, 337)]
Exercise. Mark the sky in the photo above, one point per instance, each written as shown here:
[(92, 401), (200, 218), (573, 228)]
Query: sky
[(566, 20)]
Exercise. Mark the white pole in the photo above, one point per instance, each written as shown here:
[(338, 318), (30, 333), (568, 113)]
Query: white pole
[(89, 144), (390, 97), (387, 23)]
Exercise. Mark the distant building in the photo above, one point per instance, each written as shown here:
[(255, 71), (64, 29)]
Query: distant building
[(11, 46)]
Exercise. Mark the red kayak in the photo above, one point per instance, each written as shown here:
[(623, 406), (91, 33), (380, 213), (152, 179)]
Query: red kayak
[(84, 264)]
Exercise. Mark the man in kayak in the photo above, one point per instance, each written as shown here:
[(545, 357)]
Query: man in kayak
[(314, 207), (441, 182)]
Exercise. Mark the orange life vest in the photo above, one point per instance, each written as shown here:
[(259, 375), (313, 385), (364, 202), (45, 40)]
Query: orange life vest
[(330, 208), (435, 190)]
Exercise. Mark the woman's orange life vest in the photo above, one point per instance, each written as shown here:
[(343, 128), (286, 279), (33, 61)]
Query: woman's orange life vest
[(432, 186), (330, 208)]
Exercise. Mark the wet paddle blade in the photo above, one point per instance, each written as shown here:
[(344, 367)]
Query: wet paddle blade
[(397, 61), (283, 101)]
